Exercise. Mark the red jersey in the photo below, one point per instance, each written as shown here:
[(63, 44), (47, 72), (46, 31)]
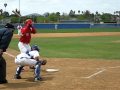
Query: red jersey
[(26, 34)]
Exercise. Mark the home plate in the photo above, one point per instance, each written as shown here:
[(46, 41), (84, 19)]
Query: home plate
[(52, 70)]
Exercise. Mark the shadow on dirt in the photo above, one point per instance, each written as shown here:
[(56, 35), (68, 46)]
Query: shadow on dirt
[(45, 78), (25, 83), (19, 85)]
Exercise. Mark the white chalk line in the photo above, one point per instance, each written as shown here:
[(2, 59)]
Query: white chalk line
[(114, 67), (102, 70), (94, 74), (9, 54)]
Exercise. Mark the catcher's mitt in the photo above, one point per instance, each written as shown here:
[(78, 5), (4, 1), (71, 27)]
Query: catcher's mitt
[(43, 62)]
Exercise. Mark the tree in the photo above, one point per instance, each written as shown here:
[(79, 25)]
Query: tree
[(53, 17), (82, 12), (97, 17), (46, 14), (6, 14), (78, 11), (1, 11), (72, 13), (58, 16), (87, 14), (106, 17), (118, 12)]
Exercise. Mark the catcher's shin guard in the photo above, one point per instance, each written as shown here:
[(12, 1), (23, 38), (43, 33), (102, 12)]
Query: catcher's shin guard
[(37, 70)]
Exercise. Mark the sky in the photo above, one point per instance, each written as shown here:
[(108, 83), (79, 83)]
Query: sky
[(63, 6)]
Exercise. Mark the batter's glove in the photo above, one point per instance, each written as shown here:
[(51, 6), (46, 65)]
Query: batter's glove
[(43, 62)]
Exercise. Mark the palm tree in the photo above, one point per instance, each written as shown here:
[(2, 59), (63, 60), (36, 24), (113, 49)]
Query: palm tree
[(117, 12), (78, 11), (82, 12)]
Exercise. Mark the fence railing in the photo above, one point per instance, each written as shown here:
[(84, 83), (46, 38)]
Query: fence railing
[(71, 25)]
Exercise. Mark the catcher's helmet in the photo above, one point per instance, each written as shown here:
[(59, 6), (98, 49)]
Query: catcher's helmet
[(35, 47)]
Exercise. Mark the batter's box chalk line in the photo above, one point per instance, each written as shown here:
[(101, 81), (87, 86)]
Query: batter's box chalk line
[(9, 54), (94, 74), (100, 71), (90, 76)]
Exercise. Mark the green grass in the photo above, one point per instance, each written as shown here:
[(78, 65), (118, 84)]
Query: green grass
[(101, 47), (78, 30)]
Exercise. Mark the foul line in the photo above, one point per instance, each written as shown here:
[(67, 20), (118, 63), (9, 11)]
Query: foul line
[(94, 74), (103, 69), (113, 67), (9, 54)]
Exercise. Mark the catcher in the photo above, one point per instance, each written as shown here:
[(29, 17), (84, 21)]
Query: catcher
[(30, 59)]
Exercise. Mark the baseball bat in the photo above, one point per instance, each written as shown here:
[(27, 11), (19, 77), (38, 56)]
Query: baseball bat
[(16, 13)]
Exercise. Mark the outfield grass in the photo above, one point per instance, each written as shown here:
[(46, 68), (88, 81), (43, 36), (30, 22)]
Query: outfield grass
[(100, 47), (77, 30)]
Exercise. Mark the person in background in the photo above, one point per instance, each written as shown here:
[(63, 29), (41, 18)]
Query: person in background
[(6, 35), (19, 27)]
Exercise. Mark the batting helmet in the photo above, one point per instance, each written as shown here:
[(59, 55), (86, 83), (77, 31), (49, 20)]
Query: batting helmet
[(35, 47), (28, 22)]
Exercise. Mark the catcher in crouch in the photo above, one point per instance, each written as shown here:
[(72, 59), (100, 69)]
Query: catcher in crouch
[(29, 59)]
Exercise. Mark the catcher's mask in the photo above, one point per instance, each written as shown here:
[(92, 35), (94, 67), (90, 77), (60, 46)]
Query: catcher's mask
[(35, 47)]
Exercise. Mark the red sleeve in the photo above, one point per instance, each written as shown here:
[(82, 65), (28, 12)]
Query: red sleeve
[(24, 30), (33, 30)]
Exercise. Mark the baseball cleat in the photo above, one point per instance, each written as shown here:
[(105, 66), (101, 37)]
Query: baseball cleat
[(38, 79), (17, 77)]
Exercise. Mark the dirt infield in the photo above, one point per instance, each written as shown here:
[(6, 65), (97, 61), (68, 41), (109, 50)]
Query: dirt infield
[(73, 74), (73, 34)]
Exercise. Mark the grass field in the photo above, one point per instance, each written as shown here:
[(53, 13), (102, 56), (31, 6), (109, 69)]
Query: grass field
[(77, 30), (84, 62), (100, 47)]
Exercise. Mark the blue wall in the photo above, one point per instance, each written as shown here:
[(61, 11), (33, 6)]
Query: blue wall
[(46, 26), (61, 26), (75, 26), (105, 25), (71, 26)]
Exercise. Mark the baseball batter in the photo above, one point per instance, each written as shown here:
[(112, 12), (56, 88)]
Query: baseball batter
[(29, 59), (25, 36)]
